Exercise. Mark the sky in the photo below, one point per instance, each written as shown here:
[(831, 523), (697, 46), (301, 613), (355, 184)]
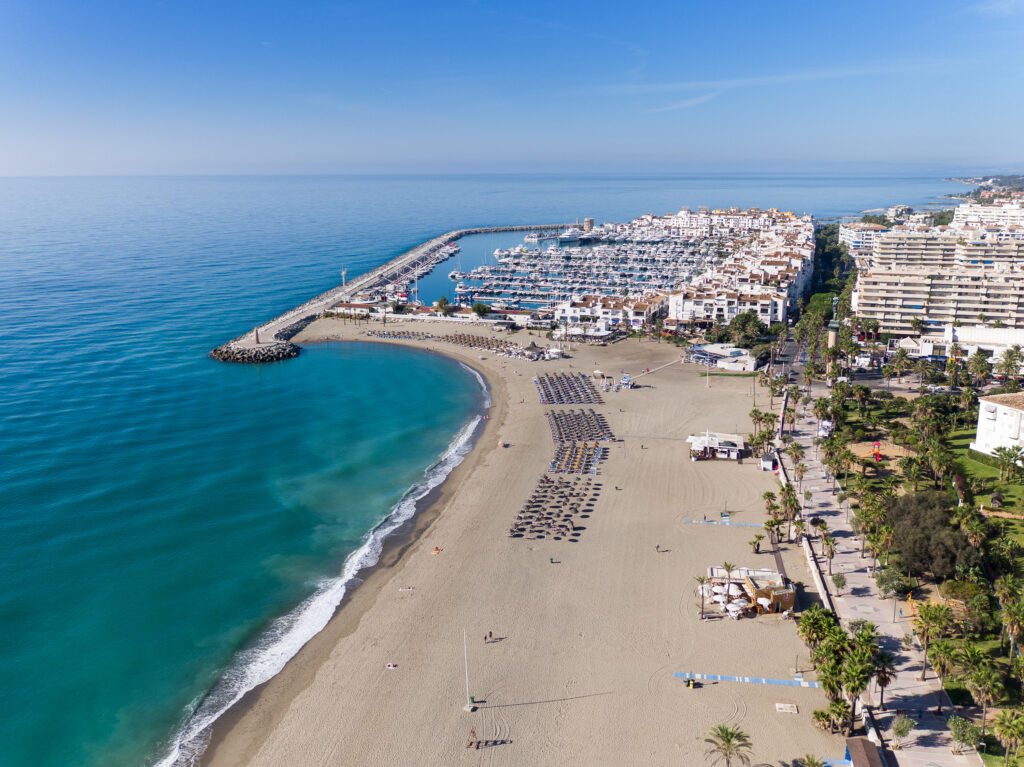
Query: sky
[(212, 87)]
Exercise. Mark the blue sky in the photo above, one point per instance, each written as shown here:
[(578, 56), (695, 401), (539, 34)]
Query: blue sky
[(323, 87)]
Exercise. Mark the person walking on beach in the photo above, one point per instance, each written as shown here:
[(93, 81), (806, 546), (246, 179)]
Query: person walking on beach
[(490, 636), (657, 548)]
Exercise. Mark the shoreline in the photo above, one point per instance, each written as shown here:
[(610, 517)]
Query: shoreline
[(574, 643), (393, 544), (366, 586)]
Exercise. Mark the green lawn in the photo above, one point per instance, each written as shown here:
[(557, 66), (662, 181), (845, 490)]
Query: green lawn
[(959, 442)]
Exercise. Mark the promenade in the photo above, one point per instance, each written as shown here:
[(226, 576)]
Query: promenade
[(929, 744)]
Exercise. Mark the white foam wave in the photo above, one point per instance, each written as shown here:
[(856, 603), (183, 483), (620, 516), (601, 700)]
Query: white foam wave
[(290, 632), (480, 380)]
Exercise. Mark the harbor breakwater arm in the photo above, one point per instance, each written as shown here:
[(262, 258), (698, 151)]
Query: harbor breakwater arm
[(271, 341)]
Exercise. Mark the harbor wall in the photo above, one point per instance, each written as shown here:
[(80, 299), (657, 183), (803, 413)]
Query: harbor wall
[(271, 341)]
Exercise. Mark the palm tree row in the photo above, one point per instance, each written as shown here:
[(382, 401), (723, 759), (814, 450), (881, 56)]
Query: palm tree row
[(846, 662)]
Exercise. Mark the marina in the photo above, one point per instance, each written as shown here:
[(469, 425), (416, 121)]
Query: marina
[(540, 278)]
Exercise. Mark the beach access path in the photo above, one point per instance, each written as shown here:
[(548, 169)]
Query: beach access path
[(588, 636), (929, 744)]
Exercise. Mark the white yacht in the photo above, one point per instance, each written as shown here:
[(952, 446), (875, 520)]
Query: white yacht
[(572, 234)]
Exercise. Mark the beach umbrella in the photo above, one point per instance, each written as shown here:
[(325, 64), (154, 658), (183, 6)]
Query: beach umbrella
[(764, 601), (720, 597), (735, 590), (741, 602), (718, 589), (732, 607)]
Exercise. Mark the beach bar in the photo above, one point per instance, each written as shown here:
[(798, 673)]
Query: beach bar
[(760, 591), (714, 444)]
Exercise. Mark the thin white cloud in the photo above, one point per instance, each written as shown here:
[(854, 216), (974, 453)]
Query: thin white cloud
[(999, 7), (640, 89), (686, 103)]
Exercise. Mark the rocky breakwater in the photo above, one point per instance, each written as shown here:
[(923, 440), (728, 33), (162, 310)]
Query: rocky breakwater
[(251, 353), (248, 349)]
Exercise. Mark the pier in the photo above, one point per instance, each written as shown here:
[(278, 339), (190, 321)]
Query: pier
[(271, 341)]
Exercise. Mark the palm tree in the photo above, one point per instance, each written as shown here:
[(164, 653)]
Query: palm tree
[(1008, 727), (839, 712), (828, 545), (986, 688), (943, 655), (885, 674), (811, 761), (858, 668), (729, 745), (799, 471), (900, 363), (701, 581), (728, 567), (979, 367), (912, 470), (755, 543), (932, 620), (769, 501)]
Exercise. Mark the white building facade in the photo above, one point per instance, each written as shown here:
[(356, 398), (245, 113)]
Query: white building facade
[(1000, 423)]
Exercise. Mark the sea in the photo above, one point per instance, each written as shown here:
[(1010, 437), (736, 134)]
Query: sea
[(173, 529)]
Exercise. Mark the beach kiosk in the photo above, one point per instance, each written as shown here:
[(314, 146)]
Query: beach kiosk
[(715, 444)]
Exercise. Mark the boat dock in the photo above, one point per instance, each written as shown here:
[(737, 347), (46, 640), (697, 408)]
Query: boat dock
[(271, 341)]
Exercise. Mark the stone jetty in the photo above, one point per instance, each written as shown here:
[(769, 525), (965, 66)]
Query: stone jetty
[(271, 342)]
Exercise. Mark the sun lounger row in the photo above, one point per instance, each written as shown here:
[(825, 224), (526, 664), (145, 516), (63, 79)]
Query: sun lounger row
[(578, 426), (484, 343), (556, 508), (403, 335), (578, 458), (563, 389)]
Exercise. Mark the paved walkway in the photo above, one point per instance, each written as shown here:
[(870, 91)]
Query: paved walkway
[(929, 744)]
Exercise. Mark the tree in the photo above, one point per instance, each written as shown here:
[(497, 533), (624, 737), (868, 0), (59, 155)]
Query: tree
[(755, 542), (943, 657), (729, 745), (481, 309), (986, 688), (840, 582), (924, 537), (932, 620), (444, 306), (1008, 727), (858, 668), (701, 581), (828, 545), (728, 567), (901, 727), (964, 733), (885, 674), (979, 367), (810, 760)]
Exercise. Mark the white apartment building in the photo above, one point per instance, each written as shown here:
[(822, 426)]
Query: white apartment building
[(611, 311), (859, 237), (1000, 422), (896, 296), (1002, 215)]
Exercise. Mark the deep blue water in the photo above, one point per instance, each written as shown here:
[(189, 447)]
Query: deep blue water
[(160, 511)]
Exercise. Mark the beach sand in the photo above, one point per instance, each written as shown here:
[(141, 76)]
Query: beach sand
[(582, 672)]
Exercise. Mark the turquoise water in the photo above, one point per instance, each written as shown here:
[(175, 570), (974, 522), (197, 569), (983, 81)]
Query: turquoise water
[(161, 512)]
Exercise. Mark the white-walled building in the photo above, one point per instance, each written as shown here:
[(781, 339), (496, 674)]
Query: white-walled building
[(1000, 422), (610, 311), (1002, 215), (859, 237)]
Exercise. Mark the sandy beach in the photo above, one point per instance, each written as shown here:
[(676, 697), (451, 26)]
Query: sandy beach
[(581, 669)]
